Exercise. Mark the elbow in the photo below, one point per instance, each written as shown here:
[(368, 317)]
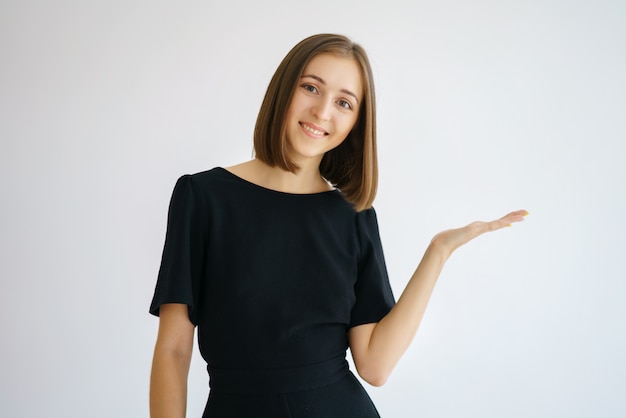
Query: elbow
[(377, 382), (374, 377)]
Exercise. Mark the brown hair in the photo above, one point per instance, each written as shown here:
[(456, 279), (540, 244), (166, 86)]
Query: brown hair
[(352, 166)]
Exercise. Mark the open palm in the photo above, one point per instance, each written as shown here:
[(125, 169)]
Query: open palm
[(452, 239)]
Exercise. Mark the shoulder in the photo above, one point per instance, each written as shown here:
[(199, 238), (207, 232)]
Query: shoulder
[(205, 176), (195, 189), (367, 216), (367, 225), (203, 180)]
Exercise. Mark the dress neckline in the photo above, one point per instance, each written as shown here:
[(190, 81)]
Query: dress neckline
[(257, 186)]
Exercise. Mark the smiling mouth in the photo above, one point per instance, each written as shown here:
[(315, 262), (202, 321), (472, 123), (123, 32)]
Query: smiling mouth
[(314, 131)]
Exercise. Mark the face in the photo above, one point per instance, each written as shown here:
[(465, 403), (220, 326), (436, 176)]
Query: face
[(324, 107)]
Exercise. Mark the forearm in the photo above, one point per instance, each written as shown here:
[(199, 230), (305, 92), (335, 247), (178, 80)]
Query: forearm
[(376, 348), (168, 384), (391, 336)]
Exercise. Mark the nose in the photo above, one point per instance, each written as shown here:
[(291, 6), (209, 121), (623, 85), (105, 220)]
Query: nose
[(322, 109)]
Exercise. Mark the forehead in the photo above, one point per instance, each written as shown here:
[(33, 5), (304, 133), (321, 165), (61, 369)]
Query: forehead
[(340, 73)]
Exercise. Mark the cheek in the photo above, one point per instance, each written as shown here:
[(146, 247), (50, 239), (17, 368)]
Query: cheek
[(349, 125), (298, 102), (290, 112)]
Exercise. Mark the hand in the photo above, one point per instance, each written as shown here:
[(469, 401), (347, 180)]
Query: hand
[(452, 239)]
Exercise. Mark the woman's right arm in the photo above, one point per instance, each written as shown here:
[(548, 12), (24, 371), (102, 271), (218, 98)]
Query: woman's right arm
[(170, 364)]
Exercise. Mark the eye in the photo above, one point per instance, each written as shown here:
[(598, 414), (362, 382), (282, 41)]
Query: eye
[(309, 88), (345, 104)]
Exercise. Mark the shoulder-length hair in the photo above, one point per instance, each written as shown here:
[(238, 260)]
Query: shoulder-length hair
[(352, 166)]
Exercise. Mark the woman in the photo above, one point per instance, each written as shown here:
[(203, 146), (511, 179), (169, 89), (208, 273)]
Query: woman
[(278, 260)]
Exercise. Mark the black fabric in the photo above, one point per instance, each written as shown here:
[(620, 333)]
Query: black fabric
[(344, 398), (272, 279)]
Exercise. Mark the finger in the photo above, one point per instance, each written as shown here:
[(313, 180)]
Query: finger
[(517, 213), (478, 228), (507, 220), (516, 216)]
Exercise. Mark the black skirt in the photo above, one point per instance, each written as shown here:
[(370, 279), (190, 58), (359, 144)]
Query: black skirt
[(344, 398)]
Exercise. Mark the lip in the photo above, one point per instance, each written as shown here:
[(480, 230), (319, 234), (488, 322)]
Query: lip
[(313, 130)]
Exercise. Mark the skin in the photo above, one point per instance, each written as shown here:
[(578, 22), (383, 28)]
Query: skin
[(376, 348), (170, 364), (324, 108), (327, 102)]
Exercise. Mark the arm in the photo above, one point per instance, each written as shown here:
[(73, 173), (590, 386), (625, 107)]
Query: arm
[(170, 365), (377, 347)]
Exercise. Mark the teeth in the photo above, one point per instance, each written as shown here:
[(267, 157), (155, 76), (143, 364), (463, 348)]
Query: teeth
[(315, 131)]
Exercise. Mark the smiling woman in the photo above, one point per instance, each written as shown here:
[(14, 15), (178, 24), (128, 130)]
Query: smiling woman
[(352, 166), (323, 108), (278, 260)]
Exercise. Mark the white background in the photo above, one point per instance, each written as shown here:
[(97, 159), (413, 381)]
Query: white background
[(484, 107)]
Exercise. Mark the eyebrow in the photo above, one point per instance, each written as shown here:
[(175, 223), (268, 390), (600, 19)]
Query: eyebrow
[(321, 80)]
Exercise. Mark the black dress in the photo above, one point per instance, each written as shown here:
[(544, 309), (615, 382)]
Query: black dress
[(273, 281)]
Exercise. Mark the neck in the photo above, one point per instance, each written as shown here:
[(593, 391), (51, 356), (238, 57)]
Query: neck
[(305, 180)]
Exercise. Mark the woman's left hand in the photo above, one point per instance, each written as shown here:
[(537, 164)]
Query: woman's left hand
[(377, 347), (452, 239)]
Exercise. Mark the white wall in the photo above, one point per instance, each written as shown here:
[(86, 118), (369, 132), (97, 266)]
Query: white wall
[(484, 107)]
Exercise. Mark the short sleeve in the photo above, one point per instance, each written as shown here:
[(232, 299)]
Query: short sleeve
[(181, 267), (374, 297)]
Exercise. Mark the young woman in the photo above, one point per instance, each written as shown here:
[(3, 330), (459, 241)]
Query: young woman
[(278, 260)]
